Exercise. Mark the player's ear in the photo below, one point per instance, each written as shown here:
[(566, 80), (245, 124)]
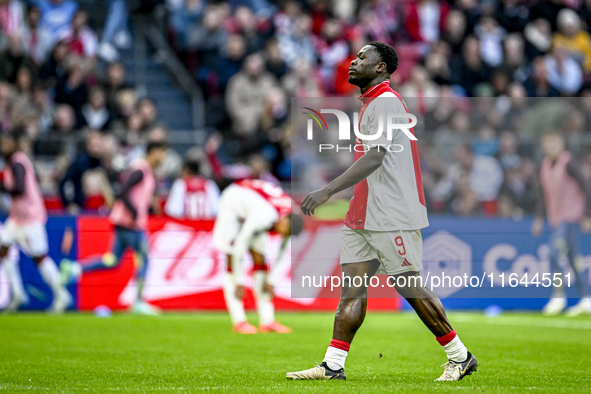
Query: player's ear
[(381, 67)]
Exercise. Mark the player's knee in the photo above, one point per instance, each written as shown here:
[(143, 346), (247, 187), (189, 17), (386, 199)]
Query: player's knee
[(408, 285), (110, 260), (38, 259), (352, 291), (3, 251), (560, 246)]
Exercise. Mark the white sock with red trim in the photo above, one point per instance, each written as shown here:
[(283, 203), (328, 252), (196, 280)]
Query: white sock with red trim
[(336, 354), (453, 346), (235, 306), (264, 300)]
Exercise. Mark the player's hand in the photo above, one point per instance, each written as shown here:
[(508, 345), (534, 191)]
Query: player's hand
[(239, 292), (537, 227), (313, 201), (586, 225), (268, 288)]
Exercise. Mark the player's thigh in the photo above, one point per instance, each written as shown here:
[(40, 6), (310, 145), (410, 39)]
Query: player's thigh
[(558, 241), (225, 231), (34, 239), (358, 261), (355, 248), (121, 241), (8, 233), (258, 244), (399, 251), (139, 245)]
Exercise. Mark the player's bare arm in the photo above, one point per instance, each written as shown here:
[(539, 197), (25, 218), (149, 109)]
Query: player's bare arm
[(18, 172), (135, 178), (361, 169)]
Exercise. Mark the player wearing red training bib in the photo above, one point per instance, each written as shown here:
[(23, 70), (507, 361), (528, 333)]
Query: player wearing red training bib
[(25, 226), (382, 232), (248, 210)]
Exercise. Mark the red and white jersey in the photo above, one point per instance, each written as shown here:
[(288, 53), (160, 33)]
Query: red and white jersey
[(29, 207), (255, 203), (193, 198), (391, 198), (270, 192)]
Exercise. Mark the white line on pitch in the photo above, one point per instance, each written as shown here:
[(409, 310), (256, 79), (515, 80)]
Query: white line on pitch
[(523, 322)]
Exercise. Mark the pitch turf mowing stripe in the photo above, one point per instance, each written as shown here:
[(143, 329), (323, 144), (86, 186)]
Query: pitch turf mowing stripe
[(198, 352), (546, 322)]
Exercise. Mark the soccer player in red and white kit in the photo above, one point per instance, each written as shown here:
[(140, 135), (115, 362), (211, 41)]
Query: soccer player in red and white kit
[(192, 197), (25, 225), (249, 209), (383, 226), (129, 216)]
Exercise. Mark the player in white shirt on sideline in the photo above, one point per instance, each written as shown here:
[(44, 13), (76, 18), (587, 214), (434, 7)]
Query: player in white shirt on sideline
[(248, 210), (192, 196), (382, 232)]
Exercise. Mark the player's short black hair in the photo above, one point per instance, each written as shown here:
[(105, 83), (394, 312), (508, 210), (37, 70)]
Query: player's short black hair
[(387, 54), (297, 223), (153, 145), (192, 166)]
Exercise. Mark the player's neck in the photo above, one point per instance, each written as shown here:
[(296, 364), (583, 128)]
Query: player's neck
[(378, 80)]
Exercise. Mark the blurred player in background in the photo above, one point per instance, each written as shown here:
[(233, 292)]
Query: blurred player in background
[(129, 216), (249, 209), (383, 226), (192, 197), (25, 226), (566, 201)]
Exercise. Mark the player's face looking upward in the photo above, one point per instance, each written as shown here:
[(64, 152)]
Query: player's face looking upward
[(367, 69)]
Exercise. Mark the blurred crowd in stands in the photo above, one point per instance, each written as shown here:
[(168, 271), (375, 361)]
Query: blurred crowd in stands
[(61, 83), (251, 57)]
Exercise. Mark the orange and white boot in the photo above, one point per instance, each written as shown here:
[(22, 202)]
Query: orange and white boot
[(275, 327), (245, 328)]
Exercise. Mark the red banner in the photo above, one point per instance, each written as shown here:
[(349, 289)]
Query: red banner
[(185, 271)]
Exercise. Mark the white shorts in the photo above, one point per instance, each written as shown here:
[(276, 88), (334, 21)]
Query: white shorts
[(30, 238), (398, 251), (226, 229)]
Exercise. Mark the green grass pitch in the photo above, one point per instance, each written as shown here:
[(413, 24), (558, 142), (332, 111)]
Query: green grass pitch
[(198, 352)]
